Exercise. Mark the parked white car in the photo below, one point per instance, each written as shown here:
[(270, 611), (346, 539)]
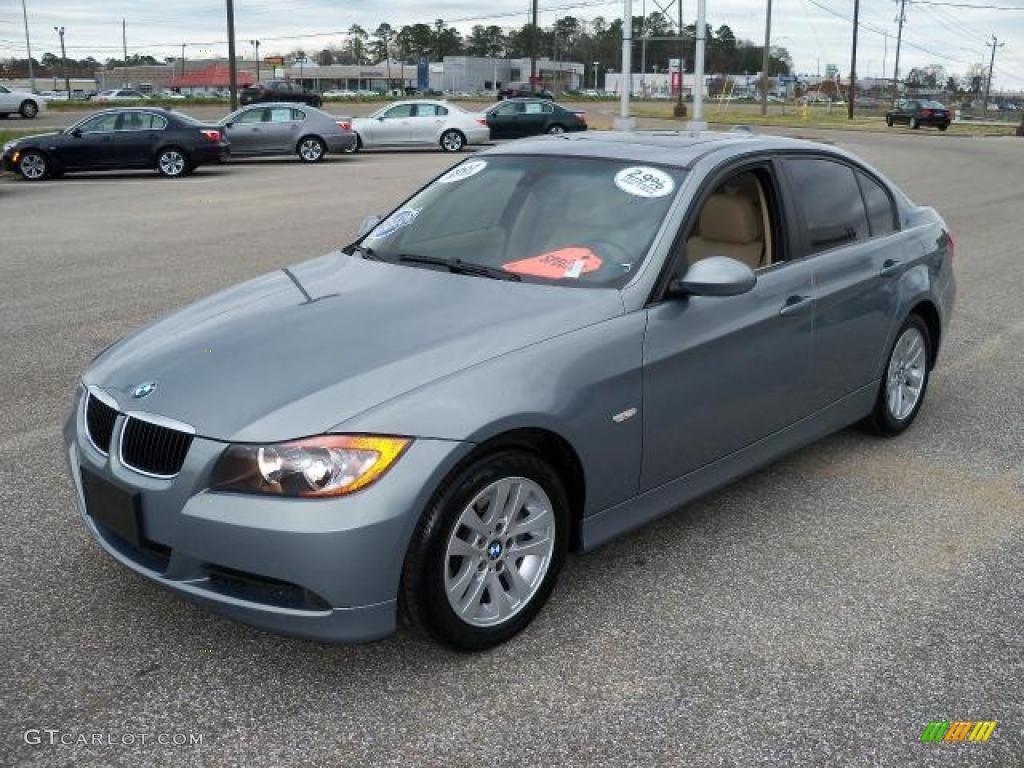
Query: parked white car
[(121, 94), (339, 94), (423, 122), (23, 103)]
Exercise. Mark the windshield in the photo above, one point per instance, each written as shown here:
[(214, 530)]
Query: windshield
[(577, 222)]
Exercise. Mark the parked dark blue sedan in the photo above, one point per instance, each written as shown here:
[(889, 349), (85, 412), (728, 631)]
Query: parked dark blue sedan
[(171, 143)]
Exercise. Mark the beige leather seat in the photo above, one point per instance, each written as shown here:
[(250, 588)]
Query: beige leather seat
[(729, 225)]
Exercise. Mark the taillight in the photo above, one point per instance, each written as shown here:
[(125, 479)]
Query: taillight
[(210, 134), (482, 120), (345, 125), (582, 116)]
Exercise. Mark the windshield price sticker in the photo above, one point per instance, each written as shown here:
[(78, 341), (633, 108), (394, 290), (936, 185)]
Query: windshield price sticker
[(644, 181), (395, 222), (464, 171)]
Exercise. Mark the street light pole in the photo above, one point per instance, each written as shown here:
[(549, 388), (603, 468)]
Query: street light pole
[(767, 58), (232, 73), (991, 65), (256, 44), (697, 123), (851, 97), (624, 122), (28, 49), (64, 61), (596, 64)]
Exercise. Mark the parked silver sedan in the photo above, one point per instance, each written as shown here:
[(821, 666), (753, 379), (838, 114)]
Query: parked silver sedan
[(421, 122), (281, 129)]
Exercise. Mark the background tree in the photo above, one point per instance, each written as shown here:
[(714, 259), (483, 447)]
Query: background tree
[(357, 43), (380, 46)]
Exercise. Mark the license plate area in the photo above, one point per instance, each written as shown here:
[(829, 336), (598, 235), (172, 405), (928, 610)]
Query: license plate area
[(114, 507)]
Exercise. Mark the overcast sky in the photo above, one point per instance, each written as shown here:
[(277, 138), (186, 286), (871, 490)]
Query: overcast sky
[(952, 36)]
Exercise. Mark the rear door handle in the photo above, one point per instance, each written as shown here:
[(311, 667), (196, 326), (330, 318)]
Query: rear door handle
[(889, 268), (795, 305)]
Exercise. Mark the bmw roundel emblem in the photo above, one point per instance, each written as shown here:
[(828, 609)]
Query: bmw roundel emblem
[(145, 389)]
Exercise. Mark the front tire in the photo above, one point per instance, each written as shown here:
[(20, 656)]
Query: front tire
[(556, 129), (29, 109), (486, 554), (905, 381), (172, 162), (33, 166), (943, 126), (311, 149), (452, 141)]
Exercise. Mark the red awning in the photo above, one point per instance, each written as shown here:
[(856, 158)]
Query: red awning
[(214, 76)]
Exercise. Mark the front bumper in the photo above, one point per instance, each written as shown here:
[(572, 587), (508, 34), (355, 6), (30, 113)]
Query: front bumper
[(325, 569)]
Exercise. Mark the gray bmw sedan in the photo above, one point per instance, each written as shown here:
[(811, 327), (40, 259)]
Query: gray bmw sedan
[(548, 345)]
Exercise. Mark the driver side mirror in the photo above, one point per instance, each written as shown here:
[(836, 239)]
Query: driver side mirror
[(714, 276), (367, 224), (77, 133), (229, 124)]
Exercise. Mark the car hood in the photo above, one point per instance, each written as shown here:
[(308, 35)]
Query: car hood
[(35, 137), (301, 350)]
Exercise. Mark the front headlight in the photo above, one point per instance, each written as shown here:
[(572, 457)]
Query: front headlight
[(10, 145), (328, 465)]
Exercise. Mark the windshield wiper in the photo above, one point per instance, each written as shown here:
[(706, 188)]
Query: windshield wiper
[(460, 267), (363, 250)]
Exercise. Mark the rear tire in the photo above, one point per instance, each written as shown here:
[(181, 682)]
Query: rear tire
[(452, 141), (905, 381), (29, 109), (463, 581), (172, 163), (915, 123), (33, 165), (556, 129), (888, 120), (943, 126), (311, 149)]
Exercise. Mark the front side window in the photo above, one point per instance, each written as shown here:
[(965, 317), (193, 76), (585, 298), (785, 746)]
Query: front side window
[(99, 124), (250, 116), (508, 109), (576, 222), (828, 194), (402, 110), (3, 90)]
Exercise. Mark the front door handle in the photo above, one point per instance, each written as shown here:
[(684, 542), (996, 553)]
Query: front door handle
[(889, 268), (795, 305)]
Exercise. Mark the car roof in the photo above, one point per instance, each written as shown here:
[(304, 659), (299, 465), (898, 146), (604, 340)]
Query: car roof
[(682, 149)]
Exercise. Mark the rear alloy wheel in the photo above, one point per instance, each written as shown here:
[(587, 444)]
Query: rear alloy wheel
[(452, 141), (33, 166), (172, 163), (556, 129), (29, 109), (906, 380), (311, 150), (487, 552)]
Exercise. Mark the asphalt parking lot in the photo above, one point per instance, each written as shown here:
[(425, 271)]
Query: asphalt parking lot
[(820, 612)]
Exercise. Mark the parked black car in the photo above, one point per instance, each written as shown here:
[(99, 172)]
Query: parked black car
[(520, 90), (170, 142), (514, 118), (918, 112), (278, 90)]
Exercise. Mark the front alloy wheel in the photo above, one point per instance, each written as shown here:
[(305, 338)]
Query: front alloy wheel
[(311, 150), (452, 141), (486, 554), (29, 109), (172, 163), (32, 166)]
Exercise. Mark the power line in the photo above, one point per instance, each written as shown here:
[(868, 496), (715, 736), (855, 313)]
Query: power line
[(971, 6)]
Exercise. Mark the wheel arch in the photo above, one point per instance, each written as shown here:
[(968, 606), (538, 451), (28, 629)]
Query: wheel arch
[(929, 312), (548, 445)]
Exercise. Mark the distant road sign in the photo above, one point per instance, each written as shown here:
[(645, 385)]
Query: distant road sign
[(274, 61)]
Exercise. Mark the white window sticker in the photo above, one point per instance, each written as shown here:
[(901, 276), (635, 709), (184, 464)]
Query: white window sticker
[(394, 222), (644, 181), (464, 171)]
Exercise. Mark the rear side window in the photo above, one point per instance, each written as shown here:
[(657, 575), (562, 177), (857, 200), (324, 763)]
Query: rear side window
[(881, 215), (828, 194), (280, 114)]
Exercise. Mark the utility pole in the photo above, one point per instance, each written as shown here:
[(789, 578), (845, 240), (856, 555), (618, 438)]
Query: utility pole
[(232, 73), (533, 48), (124, 40), (256, 44), (853, 62), (991, 65), (183, 60), (28, 48), (64, 60), (643, 48), (697, 123), (624, 122), (680, 108), (767, 58), (899, 40)]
